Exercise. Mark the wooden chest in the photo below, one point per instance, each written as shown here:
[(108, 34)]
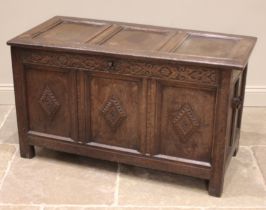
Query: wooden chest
[(161, 98)]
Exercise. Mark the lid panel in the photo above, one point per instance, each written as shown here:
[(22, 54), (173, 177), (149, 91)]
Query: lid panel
[(71, 32), (137, 39), (198, 45)]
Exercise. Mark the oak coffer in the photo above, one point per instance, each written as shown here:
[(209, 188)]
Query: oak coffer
[(155, 97)]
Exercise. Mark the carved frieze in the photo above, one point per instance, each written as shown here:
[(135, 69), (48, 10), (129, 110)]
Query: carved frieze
[(184, 73)]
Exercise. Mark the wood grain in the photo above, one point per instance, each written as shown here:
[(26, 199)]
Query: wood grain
[(155, 97)]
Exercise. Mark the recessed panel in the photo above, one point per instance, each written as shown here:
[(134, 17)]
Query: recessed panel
[(114, 111), (136, 39), (208, 46), (186, 123), (71, 32), (48, 99)]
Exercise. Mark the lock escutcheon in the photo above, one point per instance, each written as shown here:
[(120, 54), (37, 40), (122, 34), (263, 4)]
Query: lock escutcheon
[(110, 65)]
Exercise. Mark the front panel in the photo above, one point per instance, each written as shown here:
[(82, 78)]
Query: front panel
[(50, 94), (114, 111), (185, 119)]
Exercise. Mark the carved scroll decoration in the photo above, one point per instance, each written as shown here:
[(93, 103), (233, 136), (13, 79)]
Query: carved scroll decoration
[(186, 73)]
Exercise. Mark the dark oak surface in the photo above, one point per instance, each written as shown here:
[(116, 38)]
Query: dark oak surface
[(162, 98)]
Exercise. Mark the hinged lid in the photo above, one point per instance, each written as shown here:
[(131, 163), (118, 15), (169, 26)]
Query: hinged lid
[(86, 35)]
